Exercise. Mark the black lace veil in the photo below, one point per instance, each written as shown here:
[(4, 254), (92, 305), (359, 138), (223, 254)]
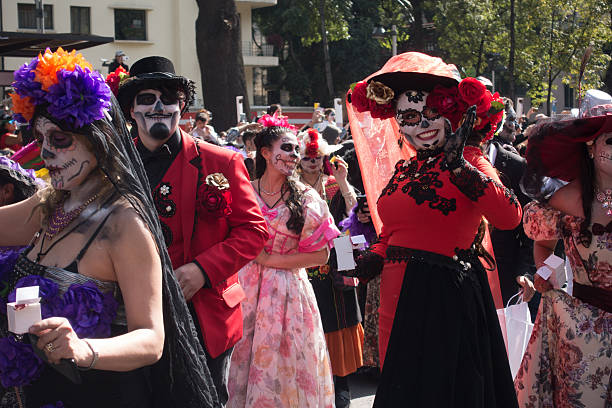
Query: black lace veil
[(181, 378)]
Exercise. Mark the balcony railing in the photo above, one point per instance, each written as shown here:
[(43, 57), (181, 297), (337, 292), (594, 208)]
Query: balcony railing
[(251, 49)]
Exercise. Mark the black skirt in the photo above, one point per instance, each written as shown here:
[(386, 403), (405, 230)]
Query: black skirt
[(446, 348)]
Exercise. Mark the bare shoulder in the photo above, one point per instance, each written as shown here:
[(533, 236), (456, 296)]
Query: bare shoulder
[(568, 199), (124, 223)]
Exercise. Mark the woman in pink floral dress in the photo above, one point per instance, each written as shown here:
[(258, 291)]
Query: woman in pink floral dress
[(568, 361), (282, 359)]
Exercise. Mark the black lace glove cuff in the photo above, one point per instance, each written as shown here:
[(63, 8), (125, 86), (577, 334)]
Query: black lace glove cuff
[(369, 265)]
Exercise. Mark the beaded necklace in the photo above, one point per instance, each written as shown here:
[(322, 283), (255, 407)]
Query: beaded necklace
[(61, 219)]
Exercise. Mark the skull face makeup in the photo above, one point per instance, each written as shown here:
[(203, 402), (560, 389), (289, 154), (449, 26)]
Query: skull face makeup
[(422, 126), (285, 154), (310, 165), (157, 115), (67, 158), (602, 154)]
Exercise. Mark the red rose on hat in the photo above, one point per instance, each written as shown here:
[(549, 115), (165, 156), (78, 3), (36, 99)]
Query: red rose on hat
[(472, 91), (359, 97), (448, 103)]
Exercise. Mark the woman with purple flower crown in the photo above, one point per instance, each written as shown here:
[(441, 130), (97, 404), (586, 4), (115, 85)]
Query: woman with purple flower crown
[(110, 304)]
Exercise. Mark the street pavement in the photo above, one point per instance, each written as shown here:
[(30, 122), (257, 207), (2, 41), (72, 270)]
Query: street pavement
[(363, 388)]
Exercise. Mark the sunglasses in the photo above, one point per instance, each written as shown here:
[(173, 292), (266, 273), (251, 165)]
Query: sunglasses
[(150, 99), (308, 159)]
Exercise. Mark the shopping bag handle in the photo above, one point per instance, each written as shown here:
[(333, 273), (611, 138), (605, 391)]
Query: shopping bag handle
[(519, 299)]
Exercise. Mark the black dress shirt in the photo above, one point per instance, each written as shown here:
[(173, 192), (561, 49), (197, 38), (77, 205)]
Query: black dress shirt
[(157, 162)]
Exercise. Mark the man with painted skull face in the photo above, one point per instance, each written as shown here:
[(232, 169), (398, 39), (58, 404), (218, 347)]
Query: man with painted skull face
[(211, 221), (445, 333)]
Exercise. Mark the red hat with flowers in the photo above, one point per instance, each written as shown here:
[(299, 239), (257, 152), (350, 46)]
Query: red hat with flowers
[(410, 70)]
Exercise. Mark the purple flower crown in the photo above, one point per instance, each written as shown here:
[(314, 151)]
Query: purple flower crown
[(66, 83)]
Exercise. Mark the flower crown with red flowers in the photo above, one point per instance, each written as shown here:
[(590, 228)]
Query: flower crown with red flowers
[(452, 103), (115, 78), (276, 120), (312, 146), (65, 83)]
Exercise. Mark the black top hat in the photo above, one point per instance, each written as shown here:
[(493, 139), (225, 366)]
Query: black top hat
[(152, 72)]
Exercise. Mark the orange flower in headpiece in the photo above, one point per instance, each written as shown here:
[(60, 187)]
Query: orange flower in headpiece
[(51, 62), (23, 106)]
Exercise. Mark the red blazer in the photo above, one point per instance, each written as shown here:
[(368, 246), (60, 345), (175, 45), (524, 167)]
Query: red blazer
[(220, 244)]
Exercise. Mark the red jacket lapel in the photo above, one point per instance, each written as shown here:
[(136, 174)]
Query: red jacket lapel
[(189, 184)]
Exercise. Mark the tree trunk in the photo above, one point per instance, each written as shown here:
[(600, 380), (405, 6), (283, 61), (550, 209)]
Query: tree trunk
[(550, 67), (220, 56), (480, 51), (511, 84), (328, 72), (417, 38)]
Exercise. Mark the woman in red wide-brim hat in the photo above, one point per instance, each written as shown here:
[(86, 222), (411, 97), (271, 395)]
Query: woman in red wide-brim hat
[(568, 359), (445, 347)]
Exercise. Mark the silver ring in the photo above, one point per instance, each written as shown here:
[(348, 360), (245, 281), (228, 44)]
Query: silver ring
[(50, 347)]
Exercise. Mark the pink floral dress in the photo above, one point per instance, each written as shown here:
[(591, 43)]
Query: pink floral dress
[(568, 361), (282, 359)]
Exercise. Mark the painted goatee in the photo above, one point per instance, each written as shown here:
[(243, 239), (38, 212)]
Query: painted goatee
[(159, 131)]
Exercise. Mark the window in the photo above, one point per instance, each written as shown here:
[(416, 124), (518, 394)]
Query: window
[(130, 25), (26, 16), (80, 20)]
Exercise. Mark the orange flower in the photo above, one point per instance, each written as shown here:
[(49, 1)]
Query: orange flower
[(23, 106), (51, 62)]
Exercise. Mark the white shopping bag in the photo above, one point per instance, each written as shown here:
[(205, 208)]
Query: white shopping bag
[(515, 322)]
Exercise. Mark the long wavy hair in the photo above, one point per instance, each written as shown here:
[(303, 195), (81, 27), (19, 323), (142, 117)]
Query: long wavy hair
[(266, 138)]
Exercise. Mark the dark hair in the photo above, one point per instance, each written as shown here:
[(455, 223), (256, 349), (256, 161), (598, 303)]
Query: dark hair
[(273, 108), (587, 192), (327, 111), (266, 138), (248, 135), (203, 115)]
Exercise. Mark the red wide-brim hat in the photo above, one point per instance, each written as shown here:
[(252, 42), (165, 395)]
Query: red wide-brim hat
[(414, 70), (556, 149)]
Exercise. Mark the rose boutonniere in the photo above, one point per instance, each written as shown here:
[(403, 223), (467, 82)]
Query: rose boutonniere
[(215, 196)]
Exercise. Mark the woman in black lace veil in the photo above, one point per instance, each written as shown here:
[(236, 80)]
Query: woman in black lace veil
[(180, 377)]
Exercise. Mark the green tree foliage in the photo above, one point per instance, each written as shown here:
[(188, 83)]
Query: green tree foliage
[(293, 26), (551, 37)]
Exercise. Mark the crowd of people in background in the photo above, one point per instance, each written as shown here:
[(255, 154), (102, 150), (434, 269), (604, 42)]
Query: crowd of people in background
[(239, 300)]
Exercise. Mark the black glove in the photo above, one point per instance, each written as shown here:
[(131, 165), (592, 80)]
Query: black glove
[(455, 143), (369, 265)]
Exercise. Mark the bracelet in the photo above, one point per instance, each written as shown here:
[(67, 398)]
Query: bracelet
[(94, 359)]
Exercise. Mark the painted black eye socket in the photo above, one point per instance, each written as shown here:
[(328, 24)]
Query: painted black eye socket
[(146, 99), (288, 147), (168, 99), (609, 141), (60, 140)]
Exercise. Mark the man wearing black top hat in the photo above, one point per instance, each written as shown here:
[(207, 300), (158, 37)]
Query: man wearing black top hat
[(210, 218)]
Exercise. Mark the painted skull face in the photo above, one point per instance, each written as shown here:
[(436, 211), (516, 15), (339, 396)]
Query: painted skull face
[(156, 114), (67, 158), (285, 153), (422, 126), (312, 165), (602, 154)]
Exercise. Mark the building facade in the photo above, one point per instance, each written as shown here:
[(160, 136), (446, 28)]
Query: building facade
[(140, 28)]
